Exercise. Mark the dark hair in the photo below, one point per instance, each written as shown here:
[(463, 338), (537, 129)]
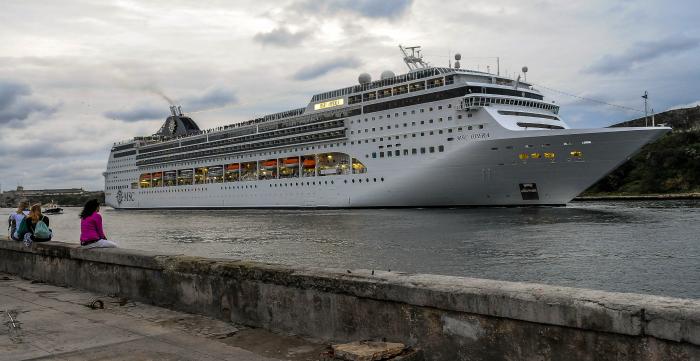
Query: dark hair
[(89, 208)]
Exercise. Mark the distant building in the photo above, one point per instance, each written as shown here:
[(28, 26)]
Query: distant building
[(12, 198)]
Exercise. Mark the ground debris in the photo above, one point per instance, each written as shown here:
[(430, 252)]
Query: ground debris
[(367, 351), (13, 326)]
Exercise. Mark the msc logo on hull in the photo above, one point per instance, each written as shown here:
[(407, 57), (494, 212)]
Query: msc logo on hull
[(124, 197)]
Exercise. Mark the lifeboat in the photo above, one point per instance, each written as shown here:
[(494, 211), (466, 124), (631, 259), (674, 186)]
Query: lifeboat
[(145, 176), (233, 166), (309, 163), (270, 164), (291, 162), (157, 175)]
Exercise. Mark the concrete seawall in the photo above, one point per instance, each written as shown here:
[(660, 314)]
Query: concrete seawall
[(450, 318)]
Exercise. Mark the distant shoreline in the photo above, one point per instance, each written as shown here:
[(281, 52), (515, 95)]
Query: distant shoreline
[(636, 197)]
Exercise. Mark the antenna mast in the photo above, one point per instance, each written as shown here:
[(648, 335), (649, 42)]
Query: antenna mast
[(414, 61), (646, 109)]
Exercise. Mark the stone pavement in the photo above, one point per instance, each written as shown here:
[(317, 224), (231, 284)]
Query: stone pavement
[(44, 322)]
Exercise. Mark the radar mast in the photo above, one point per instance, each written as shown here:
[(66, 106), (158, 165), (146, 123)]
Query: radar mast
[(414, 61)]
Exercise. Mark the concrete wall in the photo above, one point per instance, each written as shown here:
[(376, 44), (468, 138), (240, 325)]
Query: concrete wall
[(451, 318)]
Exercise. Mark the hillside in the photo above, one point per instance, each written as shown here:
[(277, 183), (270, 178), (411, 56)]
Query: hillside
[(669, 165)]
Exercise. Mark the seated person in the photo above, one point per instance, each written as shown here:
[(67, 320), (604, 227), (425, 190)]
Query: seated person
[(92, 234), (16, 218), (34, 227)]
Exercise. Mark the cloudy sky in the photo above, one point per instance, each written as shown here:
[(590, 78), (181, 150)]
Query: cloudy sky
[(77, 75)]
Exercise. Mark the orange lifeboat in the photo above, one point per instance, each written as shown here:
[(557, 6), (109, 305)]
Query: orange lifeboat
[(157, 175), (146, 176), (233, 166), (309, 163), (270, 164), (291, 161)]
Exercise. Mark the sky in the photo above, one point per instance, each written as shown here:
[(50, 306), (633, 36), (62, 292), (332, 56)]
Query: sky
[(78, 75)]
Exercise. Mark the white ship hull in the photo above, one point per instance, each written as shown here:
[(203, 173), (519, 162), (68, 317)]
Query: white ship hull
[(470, 174)]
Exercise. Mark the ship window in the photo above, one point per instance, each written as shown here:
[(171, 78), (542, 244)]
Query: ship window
[(422, 151), (374, 154), (549, 155), (450, 139), (432, 149), (388, 154), (586, 142), (576, 153), (459, 116), (414, 151), (405, 152), (397, 152), (381, 154), (441, 148)]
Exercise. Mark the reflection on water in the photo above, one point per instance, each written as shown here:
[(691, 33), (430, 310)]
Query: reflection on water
[(644, 247)]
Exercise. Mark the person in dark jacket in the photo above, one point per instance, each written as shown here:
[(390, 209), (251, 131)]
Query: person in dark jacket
[(34, 227)]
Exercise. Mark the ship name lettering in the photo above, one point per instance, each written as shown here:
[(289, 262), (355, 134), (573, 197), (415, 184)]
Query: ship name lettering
[(480, 136)]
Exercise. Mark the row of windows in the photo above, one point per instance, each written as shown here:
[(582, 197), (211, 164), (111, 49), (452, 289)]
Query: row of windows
[(442, 95), (422, 134), (338, 134), (396, 126), (414, 151), (526, 114), (401, 89), (475, 101), (124, 154), (249, 138), (420, 74), (221, 133), (548, 155), (405, 112), (314, 165), (538, 126), (117, 148)]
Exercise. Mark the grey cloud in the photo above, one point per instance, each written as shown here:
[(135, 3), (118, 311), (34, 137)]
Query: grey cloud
[(212, 98), (322, 68), (389, 9), (642, 52), (281, 36), (17, 105), (139, 112)]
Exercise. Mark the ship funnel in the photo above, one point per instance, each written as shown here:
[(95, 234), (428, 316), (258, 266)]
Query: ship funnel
[(179, 110), (173, 110)]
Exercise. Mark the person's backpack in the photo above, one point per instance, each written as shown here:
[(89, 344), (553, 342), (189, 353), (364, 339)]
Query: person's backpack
[(41, 230)]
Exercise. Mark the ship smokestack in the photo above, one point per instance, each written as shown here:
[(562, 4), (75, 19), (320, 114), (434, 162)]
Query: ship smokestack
[(173, 110), (179, 109)]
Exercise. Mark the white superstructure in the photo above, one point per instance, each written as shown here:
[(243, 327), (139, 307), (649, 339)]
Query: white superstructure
[(431, 137)]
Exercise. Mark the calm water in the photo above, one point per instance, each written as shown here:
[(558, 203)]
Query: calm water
[(644, 247)]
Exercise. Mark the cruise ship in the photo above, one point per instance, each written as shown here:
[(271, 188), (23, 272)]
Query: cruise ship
[(432, 137)]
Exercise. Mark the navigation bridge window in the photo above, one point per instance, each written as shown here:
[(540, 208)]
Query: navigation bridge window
[(311, 165)]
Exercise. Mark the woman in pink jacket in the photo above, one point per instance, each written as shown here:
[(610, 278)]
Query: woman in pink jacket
[(92, 235)]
